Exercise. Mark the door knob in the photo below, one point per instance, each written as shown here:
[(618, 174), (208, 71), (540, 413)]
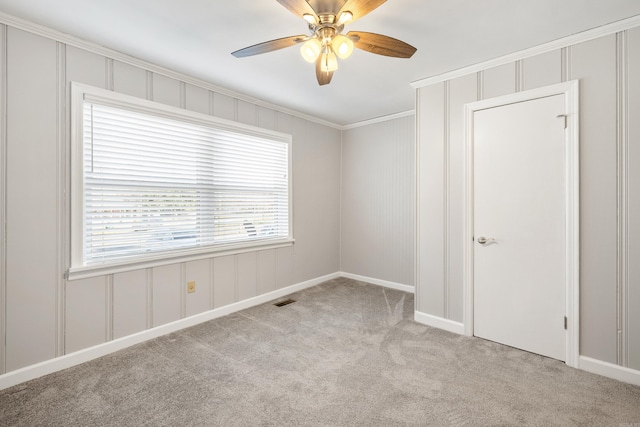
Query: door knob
[(484, 240)]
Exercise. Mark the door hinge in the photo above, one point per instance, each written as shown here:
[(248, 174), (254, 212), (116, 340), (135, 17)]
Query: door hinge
[(564, 116), (565, 322)]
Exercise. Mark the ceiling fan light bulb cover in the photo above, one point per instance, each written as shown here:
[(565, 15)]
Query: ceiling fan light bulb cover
[(345, 17), (342, 46), (329, 62), (310, 50), (310, 18)]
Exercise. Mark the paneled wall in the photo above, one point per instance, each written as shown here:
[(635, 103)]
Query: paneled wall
[(608, 68), (378, 201), (44, 315)]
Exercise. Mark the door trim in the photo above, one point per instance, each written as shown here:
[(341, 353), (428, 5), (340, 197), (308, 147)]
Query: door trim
[(570, 90)]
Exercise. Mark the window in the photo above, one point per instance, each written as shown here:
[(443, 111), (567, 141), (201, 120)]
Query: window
[(152, 181)]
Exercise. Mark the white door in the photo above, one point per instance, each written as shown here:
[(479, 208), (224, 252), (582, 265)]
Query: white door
[(519, 273)]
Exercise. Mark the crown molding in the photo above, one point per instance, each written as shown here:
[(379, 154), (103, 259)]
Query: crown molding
[(380, 119), (41, 30), (605, 30)]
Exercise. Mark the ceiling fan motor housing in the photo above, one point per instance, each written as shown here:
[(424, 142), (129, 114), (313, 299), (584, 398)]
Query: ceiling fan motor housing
[(328, 7)]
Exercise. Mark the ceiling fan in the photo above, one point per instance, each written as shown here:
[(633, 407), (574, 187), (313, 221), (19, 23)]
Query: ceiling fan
[(326, 43)]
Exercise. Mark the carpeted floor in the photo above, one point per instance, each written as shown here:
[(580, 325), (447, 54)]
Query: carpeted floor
[(345, 354)]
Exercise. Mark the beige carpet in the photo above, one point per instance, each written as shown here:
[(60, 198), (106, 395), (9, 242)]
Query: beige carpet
[(345, 354)]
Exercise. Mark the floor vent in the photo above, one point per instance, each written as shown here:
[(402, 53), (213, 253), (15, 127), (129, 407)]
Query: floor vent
[(285, 302)]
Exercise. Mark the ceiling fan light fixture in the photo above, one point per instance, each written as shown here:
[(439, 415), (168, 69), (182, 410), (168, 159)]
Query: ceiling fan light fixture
[(325, 42), (342, 46), (310, 50), (329, 62), (344, 17), (310, 18)]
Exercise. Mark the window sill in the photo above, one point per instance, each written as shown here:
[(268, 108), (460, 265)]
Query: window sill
[(96, 270)]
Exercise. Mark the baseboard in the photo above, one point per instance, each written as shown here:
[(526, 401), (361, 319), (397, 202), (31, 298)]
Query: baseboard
[(12, 378), (609, 370), (379, 282), (439, 322), (53, 365), (588, 364)]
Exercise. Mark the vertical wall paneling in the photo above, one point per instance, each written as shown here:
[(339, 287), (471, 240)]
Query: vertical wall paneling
[(224, 106), (246, 112), (284, 123), (183, 95), (633, 199), (149, 85), (166, 90), (594, 63), (183, 290), (224, 281), (166, 294), (519, 76), (61, 196), (402, 266), (235, 278), (130, 303), (199, 272), (608, 68), (284, 267), (379, 180), (247, 275), (316, 200), (58, 316), (109, 307), (324, 240), (266, 118), (445, 192), (92, 69), (430, 268), (565, 65), (31, 205), (461, 91), (86, 313), (86, 67), (110, 82), (211, 102), (197, 99), (211, 282), (500, 80), (129, 80), (302, 179), (3, 184), (266, 266), (542, 70), (623, 197), (149, 285)]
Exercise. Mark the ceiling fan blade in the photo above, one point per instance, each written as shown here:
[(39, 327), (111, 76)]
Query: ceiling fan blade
[(324, 78), (360, 8), (268, 46), (381, 45), (297, 7)]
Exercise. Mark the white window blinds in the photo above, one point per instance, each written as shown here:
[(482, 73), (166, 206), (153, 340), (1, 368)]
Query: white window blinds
[(153, 183)]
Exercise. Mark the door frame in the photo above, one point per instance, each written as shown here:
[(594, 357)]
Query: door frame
[(570, 90)]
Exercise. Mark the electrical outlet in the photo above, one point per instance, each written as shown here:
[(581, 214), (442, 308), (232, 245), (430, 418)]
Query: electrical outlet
[(191, 286)]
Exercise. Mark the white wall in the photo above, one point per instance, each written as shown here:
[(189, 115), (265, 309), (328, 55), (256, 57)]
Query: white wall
[(378, 201), (353, 200), (43, 315), (608, 68)]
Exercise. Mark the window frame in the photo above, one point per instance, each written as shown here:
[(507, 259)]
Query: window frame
[(78, 270)]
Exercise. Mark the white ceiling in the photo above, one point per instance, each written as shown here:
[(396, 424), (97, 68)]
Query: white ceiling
[(196, 37)]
